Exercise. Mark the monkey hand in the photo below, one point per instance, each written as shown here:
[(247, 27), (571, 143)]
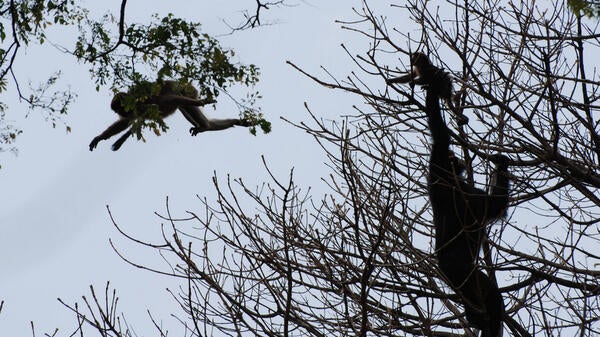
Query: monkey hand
[(94, 143)]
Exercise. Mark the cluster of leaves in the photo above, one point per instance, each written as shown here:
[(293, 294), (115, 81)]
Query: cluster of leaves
[(588, 8), (171, 48), (53, 104), (8, 133), (21, 24), (30, 18), (253, 116)]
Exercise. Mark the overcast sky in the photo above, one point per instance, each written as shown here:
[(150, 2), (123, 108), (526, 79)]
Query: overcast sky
[(53, 218)]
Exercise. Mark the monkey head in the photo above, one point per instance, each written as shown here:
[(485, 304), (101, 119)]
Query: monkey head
[(420, 60)]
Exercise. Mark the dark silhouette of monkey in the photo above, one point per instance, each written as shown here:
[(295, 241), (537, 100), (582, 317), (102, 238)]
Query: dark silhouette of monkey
[(423, 73), (461, 211), (172, 95)]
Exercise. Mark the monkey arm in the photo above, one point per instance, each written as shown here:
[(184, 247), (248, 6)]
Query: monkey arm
[(440, 162), (112, 130), (222, 124), (219, 124), (485, 207), (402, 79), (498, 197), (200, 123)]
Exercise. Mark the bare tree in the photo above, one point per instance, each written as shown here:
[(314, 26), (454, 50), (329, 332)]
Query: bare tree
[(360, 261)]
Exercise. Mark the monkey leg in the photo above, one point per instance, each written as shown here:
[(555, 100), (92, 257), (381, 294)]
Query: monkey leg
[(218, 124), (112, 130), (484, 306), (178, 100), (490, 320), (117, 145)]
